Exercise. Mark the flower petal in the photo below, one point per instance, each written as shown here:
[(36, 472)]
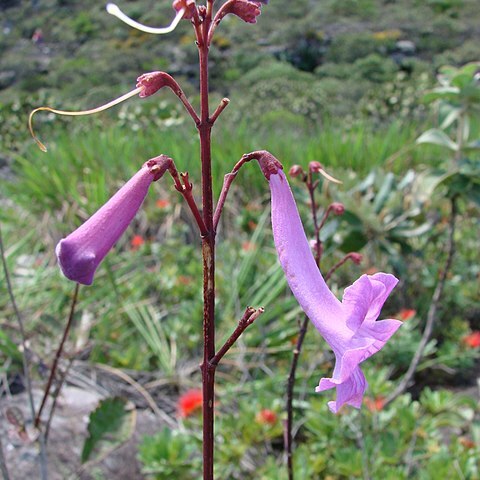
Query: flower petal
[(349, 392), (80, 253), (295, 255), (365, 298)]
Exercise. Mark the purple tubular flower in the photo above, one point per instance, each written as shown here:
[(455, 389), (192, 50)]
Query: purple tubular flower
[(82, 251), (350, 327)]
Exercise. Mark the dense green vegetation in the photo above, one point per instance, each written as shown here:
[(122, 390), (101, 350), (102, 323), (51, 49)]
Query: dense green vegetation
[(341, 82)]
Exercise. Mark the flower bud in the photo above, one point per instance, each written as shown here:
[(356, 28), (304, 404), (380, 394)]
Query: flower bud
[(315, 167), (266, 417), (356, 258), (247, 10), (154, 81), (295, 171), (187, 5), (337, 208), (81, 252)]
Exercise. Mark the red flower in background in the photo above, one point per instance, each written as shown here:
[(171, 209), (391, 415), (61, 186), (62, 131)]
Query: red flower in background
[(266, 417), (472, 340), (189, 402), (248, 246), (375, 404), (162, 203), (406, 314), (136, 242)]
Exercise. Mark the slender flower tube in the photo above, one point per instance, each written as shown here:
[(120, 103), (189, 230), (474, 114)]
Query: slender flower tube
[(350, 327), (82, 251)]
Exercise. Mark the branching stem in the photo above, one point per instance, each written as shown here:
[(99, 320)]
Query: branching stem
[(250, 315), (227, 182)]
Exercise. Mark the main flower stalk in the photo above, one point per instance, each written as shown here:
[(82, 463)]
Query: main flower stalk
[(208, 253)]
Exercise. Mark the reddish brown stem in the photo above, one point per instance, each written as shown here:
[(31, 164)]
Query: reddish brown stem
[(221, 107), (186, 191), (250, 315), (185, 188), (58, 355), (208, 252), (311, 186), (227, 182), (188, 106), (344, 260)]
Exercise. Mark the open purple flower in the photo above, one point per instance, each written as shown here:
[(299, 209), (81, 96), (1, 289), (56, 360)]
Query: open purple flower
[(81, 252), (350, 327)]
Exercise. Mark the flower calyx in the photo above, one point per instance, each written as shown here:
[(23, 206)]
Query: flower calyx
[(188, 6), (154, 81)]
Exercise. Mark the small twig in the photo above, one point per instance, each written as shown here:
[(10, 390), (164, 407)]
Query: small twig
[(188, 106), (58, 354), (432, 310), (185, 188), (186, 191), (325, 216), (354, 256), (250, 315), (227, 182), (223, 105), (55, 396), (3, 463)]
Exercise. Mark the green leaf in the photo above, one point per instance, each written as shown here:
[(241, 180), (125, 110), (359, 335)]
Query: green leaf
[(441, 93), (435, 136), (465, 75), (384, 192), (453, 115), (413, 232), (110, 425), (354, 242)]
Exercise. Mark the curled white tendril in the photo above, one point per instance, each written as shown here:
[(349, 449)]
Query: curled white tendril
[(106, 106), (114, 10)]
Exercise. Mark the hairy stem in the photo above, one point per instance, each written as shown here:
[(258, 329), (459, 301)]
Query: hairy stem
[(432, 310), (58, 355)]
